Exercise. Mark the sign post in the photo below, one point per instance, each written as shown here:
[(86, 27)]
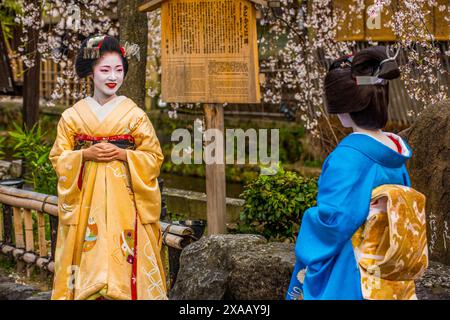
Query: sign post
[(215, 176), (209, 55)]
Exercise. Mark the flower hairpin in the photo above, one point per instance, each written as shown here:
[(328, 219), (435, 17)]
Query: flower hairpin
[(93, 46), (131, 49)]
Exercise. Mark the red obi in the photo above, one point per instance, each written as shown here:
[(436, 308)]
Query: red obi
[(125, 141), (82, 141)]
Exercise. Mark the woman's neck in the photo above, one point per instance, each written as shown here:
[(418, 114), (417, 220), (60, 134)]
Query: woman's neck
[(379, 135), (375, 133), (101, 98)]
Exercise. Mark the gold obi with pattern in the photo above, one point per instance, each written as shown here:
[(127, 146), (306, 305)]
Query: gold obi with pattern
[(391, 246)]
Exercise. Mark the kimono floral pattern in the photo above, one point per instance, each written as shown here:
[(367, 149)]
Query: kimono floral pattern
[(108, 212), (391, 247)]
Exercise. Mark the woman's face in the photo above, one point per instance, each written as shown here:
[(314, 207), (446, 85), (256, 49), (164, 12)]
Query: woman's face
[(108, 74)]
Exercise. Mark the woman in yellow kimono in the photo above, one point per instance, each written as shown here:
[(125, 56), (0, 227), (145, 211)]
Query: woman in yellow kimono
[(107, 158)]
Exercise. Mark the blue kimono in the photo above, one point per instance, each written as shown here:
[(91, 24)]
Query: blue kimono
[(324, 249)]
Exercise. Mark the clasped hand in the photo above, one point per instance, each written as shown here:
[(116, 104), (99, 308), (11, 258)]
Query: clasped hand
[(104, 152)]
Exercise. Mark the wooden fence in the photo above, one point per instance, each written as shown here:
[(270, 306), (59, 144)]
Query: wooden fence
[(29, 224)]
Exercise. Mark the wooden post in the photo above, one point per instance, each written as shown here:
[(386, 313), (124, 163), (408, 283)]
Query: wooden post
[(29, 238), (41, 234), (41, 240), (18, 228), (215, 176), (18, 235)]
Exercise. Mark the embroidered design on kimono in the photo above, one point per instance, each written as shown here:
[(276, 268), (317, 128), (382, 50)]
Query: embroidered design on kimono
[(91, 235), (108, 212), (391, 247)]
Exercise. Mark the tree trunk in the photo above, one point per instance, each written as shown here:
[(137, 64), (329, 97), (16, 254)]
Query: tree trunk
[(31, 81), (133, 29)]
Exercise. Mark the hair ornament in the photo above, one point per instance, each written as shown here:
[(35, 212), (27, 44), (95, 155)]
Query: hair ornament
[(389, 58), (92, 49), (131, 49), (375, 79)]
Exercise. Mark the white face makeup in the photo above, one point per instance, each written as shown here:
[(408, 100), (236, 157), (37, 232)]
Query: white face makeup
[(108, 74), (346, 120)]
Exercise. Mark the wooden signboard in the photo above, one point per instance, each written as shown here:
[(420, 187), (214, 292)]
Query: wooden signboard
[(441, 20), (209, 55), (355, 27), (209, 51)]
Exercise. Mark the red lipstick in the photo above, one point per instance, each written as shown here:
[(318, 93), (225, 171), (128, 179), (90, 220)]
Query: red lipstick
[(111, 85)]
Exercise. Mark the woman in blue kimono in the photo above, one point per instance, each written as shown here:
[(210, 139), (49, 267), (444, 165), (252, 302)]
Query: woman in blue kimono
[(357, 90)]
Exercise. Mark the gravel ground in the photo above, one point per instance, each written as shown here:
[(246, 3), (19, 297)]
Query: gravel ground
[(435, 284)]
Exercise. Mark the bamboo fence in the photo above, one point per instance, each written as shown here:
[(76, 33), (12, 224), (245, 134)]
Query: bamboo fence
[(23, 231)]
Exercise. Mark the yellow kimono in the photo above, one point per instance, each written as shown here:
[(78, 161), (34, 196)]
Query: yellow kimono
[(98, 204)]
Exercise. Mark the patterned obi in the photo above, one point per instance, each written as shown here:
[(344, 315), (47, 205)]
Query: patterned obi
[(83, 141), (391, 246)]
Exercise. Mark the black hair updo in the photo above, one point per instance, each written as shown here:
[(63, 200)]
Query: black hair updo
[(84, 63), (366, 104)]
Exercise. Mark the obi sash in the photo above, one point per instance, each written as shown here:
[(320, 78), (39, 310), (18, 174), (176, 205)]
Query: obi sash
[(125, 141), (83, 141), (391, 246)]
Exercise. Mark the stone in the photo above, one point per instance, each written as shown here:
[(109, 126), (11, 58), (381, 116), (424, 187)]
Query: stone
[(5, 166), (41, 296), (429, 169), (205, 266), (247, 267), (16, 169), (435, 283), (263, 272), (15, 291)]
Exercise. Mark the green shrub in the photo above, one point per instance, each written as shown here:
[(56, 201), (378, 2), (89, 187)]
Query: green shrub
[(2, 147), (31, 146), (274, 205)]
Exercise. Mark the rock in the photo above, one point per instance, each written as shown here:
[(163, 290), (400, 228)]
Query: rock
[(435, 283), (41, 296), (5, 166), (263, 272), (15, 291), (12, 287), (234, 267), (246, 267), (205, 266), (16, 169), (429, 169)]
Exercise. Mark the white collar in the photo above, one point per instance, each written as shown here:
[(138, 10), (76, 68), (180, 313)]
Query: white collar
[(102, 111)]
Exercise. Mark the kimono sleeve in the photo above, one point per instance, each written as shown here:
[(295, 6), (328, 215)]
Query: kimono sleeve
[(144, 164), (68, 164), (343, 201), (295, 291)]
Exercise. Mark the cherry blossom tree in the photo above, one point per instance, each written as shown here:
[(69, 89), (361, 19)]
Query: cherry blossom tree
[(296, 42), (61, 25)]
